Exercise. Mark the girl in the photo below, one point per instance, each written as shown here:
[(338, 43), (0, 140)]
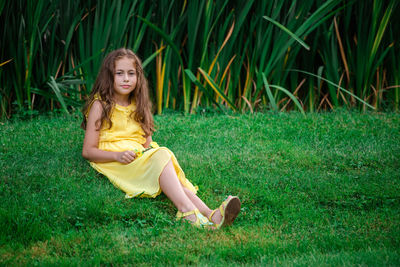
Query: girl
[(118, 126)]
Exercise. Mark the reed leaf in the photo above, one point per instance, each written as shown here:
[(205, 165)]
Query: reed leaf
[(216, 88), (152, 56), (291, 34), (193, 78), (269, 93), (55, 87), (165, 37), (31, 48), (339, 87), (289, 94), (168, 39), (5, 62), (245, 48), (395, 65)]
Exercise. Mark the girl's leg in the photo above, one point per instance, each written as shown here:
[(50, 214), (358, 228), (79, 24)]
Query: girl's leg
[(203, 208), (173, 189), (184, 199)]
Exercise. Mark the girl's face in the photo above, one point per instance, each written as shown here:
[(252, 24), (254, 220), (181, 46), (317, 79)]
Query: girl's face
[(125, 77)]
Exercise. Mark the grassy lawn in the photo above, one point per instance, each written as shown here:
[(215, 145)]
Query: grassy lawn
[(320, 189)]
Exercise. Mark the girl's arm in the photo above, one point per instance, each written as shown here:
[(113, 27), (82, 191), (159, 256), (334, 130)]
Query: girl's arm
[(149, 139), (90, 150)]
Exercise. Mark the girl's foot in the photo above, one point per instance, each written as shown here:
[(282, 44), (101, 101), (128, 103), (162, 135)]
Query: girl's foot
[(226, 213), (194, 217)]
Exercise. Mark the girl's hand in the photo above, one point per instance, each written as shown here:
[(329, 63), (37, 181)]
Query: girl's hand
[(126, 157)]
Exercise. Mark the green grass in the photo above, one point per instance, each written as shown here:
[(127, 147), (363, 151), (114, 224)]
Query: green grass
[(320, 189)]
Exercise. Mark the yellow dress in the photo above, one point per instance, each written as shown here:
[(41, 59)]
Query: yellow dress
[(140, 178)]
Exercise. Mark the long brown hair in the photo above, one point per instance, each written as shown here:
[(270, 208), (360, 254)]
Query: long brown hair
[(103, 89)]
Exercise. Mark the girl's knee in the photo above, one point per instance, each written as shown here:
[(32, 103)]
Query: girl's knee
[(161, 155), (169, 164), (185, 189), (162, 152)]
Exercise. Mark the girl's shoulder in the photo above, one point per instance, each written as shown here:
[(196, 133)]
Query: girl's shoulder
[(95, 106)]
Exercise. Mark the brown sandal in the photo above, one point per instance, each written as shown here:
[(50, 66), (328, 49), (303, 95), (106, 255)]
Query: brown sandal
[(229, 209)]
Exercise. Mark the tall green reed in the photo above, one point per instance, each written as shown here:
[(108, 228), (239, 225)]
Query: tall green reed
[(395, 64), (26, 23), (367, 49), (204, 53)]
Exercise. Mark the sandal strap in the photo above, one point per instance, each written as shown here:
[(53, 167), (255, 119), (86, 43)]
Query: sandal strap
[(223, 206), (221, 209), (211, 214), (180, 214), (201, 221)]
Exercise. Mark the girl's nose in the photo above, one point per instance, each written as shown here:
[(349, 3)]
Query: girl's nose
[(126, 77)]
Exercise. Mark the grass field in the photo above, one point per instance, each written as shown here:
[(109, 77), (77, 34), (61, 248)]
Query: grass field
[(320, 189)]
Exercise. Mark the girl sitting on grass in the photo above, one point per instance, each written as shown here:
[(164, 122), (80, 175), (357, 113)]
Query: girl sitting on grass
[(118, 126)]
